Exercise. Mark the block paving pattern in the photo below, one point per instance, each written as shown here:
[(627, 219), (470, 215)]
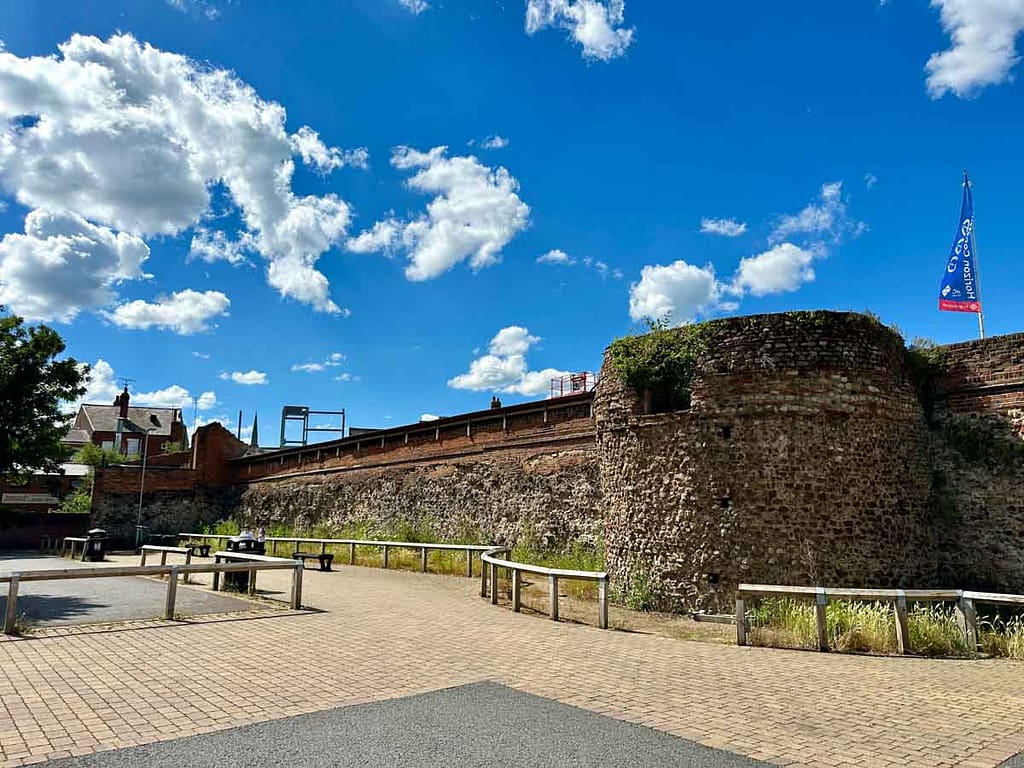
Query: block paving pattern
[(384, 634)]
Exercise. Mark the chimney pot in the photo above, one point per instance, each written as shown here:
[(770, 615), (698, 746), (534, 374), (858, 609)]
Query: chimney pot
[(122, 401)]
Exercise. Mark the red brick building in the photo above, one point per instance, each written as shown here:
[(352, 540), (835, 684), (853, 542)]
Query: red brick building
[(124, 427)]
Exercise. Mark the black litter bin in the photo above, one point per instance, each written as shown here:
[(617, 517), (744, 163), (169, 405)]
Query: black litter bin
[(250, 545), (95, 545)]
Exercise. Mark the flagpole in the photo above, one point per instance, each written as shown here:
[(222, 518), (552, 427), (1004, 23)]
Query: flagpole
[(977, 271)]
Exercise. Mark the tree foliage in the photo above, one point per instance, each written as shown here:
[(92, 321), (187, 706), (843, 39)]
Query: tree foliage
[(33, 384), (95, 456)]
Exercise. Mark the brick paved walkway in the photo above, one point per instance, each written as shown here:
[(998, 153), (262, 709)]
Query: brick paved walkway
[(386, 634)]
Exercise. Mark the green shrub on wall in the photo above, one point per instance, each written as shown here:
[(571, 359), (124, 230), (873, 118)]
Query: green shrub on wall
[(659, 365)]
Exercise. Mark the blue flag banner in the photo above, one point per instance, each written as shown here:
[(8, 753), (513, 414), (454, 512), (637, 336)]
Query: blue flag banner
[(959, 292)]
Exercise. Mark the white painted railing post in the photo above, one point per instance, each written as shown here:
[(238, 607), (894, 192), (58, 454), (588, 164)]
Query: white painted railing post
[(553, 597), (516, 590), (11, 615), (172, 593), (297, 587), (741, 620), (602, 600)]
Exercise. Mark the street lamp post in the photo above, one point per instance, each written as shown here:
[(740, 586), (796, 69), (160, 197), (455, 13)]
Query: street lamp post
[(142, 488)]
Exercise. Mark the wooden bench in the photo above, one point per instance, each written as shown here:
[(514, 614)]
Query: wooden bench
[(324, 558)]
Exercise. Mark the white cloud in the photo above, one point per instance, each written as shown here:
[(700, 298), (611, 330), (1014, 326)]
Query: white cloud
[(247, 377), (476, 213), (62, 264), (347, 377), (333, 360), (132, 138), (429, 417), (679, 290), (307, 144), (504, 368), (826, 216), (414, 6), (784, 267), (594, 24), (174, 396), (723, 227), (870, 180), (984, 35), (201, 355), (184, 312), (101, 386), (556, 256), (494, 142), (214, 245)]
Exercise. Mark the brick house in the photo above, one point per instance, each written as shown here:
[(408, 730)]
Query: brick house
[(124, 427)]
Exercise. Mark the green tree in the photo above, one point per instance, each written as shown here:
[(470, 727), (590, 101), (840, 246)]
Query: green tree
[(95, 456), (33, 384)]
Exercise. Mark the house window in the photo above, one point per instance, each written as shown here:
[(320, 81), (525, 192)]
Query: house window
[(107, 445), (132, 446)]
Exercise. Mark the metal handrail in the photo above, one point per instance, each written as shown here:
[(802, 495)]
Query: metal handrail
[(424, 547), (172, 571), (965, 600), (490, 557)]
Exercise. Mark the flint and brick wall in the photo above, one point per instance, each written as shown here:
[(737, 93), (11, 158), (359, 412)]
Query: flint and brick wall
[(801, 461)]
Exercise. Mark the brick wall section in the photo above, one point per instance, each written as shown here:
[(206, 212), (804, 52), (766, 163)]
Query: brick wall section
[(469, 434), (802, 461), (984, 376)]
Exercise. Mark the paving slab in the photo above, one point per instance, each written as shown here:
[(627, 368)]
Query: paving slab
[(91, 601), (484, 724)]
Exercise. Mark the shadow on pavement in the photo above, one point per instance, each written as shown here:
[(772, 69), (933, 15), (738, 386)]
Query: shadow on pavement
[(50, 607)]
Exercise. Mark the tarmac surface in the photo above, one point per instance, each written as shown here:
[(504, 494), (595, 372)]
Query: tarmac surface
[(481, 724), (94, 601)]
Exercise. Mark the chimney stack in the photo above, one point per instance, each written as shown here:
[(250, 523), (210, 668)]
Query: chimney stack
[(122, 401)]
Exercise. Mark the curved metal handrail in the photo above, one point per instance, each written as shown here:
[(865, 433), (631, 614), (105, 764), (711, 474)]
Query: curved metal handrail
[(491, 558)]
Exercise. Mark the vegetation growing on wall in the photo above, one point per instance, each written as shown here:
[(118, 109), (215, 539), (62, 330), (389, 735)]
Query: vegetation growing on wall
[(926, 362), (659, 365)]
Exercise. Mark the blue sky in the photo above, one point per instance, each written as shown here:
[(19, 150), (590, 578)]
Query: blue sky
[(256, 210)]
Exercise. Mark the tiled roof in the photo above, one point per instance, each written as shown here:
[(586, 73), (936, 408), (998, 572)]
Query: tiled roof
[(76, 437), (104, 419)]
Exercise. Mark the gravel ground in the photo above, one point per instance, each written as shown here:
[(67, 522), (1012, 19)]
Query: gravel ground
[(483, 724)]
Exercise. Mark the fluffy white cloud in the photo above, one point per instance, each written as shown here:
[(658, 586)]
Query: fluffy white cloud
[(984, 35), (429, 417), (307, 144), (504, 368), (723, 227), (102, 387), (556, 256), (679, 290), (594, 24), (870, 180), (132, 138), (476, 213), (62, 264), (784, 267), (494, 142), (826, 216), (246, 377), (414, 6), (175, 396), (184, 312)]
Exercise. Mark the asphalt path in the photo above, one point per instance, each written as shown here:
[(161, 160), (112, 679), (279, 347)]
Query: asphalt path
[(94, 601), (483, 724)]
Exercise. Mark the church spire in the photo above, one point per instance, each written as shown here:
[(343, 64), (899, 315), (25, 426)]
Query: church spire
[(254, 441)]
